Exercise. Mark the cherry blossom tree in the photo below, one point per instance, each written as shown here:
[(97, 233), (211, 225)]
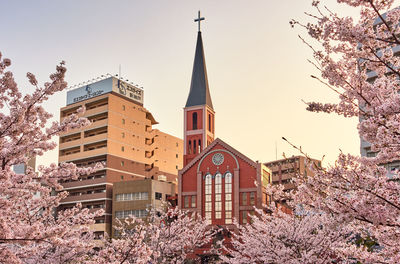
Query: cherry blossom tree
[(29, 230), (285, 238), (358, 61), (169, 236)]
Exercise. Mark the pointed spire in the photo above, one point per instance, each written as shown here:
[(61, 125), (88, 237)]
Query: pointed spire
[(199, 93)]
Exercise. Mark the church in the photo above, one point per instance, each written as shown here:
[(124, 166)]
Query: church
[(216, 181)]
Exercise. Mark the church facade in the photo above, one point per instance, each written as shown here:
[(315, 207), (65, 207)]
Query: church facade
[(217, 181), (220, 184)]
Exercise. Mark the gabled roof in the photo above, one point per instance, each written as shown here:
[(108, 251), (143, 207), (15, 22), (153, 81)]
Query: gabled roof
[(212, 145), (199, 93)]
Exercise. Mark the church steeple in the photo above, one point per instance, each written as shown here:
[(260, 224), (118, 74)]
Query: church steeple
[(199, 93), (198, 112)]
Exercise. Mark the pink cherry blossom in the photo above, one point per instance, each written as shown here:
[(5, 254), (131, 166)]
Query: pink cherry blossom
[(357, 60), (170, 236), (29, 230)]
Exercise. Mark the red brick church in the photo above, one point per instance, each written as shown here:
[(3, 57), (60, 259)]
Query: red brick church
[(217, 181)]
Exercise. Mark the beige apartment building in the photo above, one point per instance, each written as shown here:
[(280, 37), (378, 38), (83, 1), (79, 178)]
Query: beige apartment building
[(121, 136), (284, 170), (136, 197)]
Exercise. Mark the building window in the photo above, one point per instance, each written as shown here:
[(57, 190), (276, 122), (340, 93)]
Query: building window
[(194, 121), (199, 145), (252, 198), (123, 107), (122, 177), (122, 163), (251, 213), (194, 147), (177, 144), (122, 148), (123, 121), (136, 196), (190, 147), (176, 166), (186, 201), (228, 198), (218, 193), (244, 198), (135, 213), (244, 217), (176, 155), (193, 201), (158, 196), (208, 200)]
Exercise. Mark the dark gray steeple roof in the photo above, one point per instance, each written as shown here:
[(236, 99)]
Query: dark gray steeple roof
[(199, 93)]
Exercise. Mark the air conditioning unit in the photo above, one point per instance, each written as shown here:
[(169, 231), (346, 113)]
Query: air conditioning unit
[(162, 178)]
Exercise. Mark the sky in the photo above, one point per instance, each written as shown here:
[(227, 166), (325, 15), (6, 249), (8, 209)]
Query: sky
[(257, 66)]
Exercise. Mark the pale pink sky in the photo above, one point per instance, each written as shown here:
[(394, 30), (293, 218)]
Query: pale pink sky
[(257, 68)]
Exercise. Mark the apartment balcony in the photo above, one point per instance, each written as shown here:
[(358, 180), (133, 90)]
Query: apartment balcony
[(70, 144), (83, 154), (99, 123), (85, 197), (283, 166), (99, 227), (97, 110), (93, 210), (93, 111), (99, 137), (289, 186), (96, 152), (83, 183), (284, 176)]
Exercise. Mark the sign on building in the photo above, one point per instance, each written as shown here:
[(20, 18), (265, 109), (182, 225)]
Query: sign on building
[(108, 85)]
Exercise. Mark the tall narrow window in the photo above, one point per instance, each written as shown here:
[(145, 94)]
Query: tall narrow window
[(244, 198), (209, 122), (252, 198), (199, 146), (251, 213), (186, 203), (193, 201), (194, 121), (244, 217), (194, 147), (190, 147), (218, 193), (228, 198), (208, 200)]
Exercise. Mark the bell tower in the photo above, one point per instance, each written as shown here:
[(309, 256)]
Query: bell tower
[(199, 115)]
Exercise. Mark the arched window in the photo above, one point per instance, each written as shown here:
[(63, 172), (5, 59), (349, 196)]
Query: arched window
[(228, 198), (218, 193), (190, 147), (194, 121), (199, 145), (194, 147), (208, 197)]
